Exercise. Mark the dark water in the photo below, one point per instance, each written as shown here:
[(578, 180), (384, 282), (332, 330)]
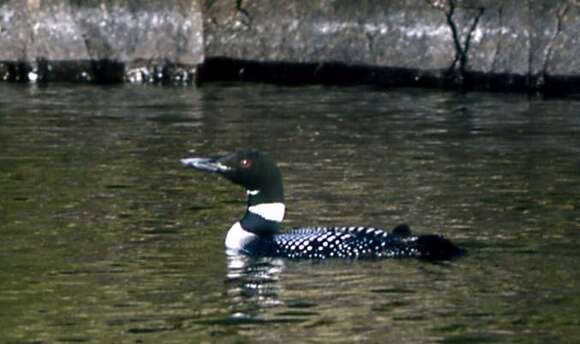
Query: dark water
[(105, 238)]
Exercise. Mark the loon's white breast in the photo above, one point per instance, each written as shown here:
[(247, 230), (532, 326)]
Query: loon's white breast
[(237, 238)]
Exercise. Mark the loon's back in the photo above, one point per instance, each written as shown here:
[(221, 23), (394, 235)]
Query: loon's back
[(339, 242), (351, 243)]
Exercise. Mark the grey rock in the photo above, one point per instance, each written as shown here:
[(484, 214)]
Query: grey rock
[(527, 45), (400, 34), (102, 40), (491, 44), (564, 53)]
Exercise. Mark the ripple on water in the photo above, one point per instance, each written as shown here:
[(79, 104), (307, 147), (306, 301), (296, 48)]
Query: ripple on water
[(106, 238)]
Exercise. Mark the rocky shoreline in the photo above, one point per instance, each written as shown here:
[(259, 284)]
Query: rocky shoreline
[(506, 45)]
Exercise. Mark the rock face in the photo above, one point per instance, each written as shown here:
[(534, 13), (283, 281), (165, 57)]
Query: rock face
[(522, 45), (411, 39), (530, 45), (108, 40)]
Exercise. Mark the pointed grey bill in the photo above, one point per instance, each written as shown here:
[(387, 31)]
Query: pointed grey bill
[(204, 164)]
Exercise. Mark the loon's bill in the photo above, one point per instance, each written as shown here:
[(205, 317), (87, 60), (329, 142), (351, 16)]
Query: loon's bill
[(204, 164), (258, 232)]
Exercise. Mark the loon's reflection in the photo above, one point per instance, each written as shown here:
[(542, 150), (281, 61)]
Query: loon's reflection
[(254, 281)]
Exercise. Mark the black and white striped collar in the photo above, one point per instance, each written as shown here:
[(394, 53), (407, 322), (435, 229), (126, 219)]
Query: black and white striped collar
[(264, 218)]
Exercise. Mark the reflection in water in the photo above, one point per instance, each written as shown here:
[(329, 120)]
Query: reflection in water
[(253, 283)]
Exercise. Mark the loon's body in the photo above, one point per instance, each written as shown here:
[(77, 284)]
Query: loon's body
[(257, 233)]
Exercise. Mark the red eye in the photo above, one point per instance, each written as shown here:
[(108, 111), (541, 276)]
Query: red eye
[(245, 163)]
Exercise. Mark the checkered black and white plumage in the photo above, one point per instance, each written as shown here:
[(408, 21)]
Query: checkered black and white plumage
[(342, 242)]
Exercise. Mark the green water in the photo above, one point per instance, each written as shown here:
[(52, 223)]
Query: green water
[(107, 239)]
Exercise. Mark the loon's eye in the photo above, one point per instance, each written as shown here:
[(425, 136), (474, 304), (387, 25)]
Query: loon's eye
[(245, 163)]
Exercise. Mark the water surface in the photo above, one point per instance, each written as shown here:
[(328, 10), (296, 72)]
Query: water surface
[(105, 238)]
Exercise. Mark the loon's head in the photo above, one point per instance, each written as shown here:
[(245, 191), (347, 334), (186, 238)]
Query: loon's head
[(253, 170), (262, 180)]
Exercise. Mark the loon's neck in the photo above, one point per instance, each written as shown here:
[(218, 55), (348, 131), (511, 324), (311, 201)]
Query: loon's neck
[(265, 208), (272, 192), (260, 220), (264, 213)]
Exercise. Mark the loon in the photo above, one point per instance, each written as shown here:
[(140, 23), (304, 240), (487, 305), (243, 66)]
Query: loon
[(258, 233)]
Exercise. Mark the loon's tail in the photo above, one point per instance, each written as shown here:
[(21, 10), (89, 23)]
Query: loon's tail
[(429, 246), (436, 247)]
